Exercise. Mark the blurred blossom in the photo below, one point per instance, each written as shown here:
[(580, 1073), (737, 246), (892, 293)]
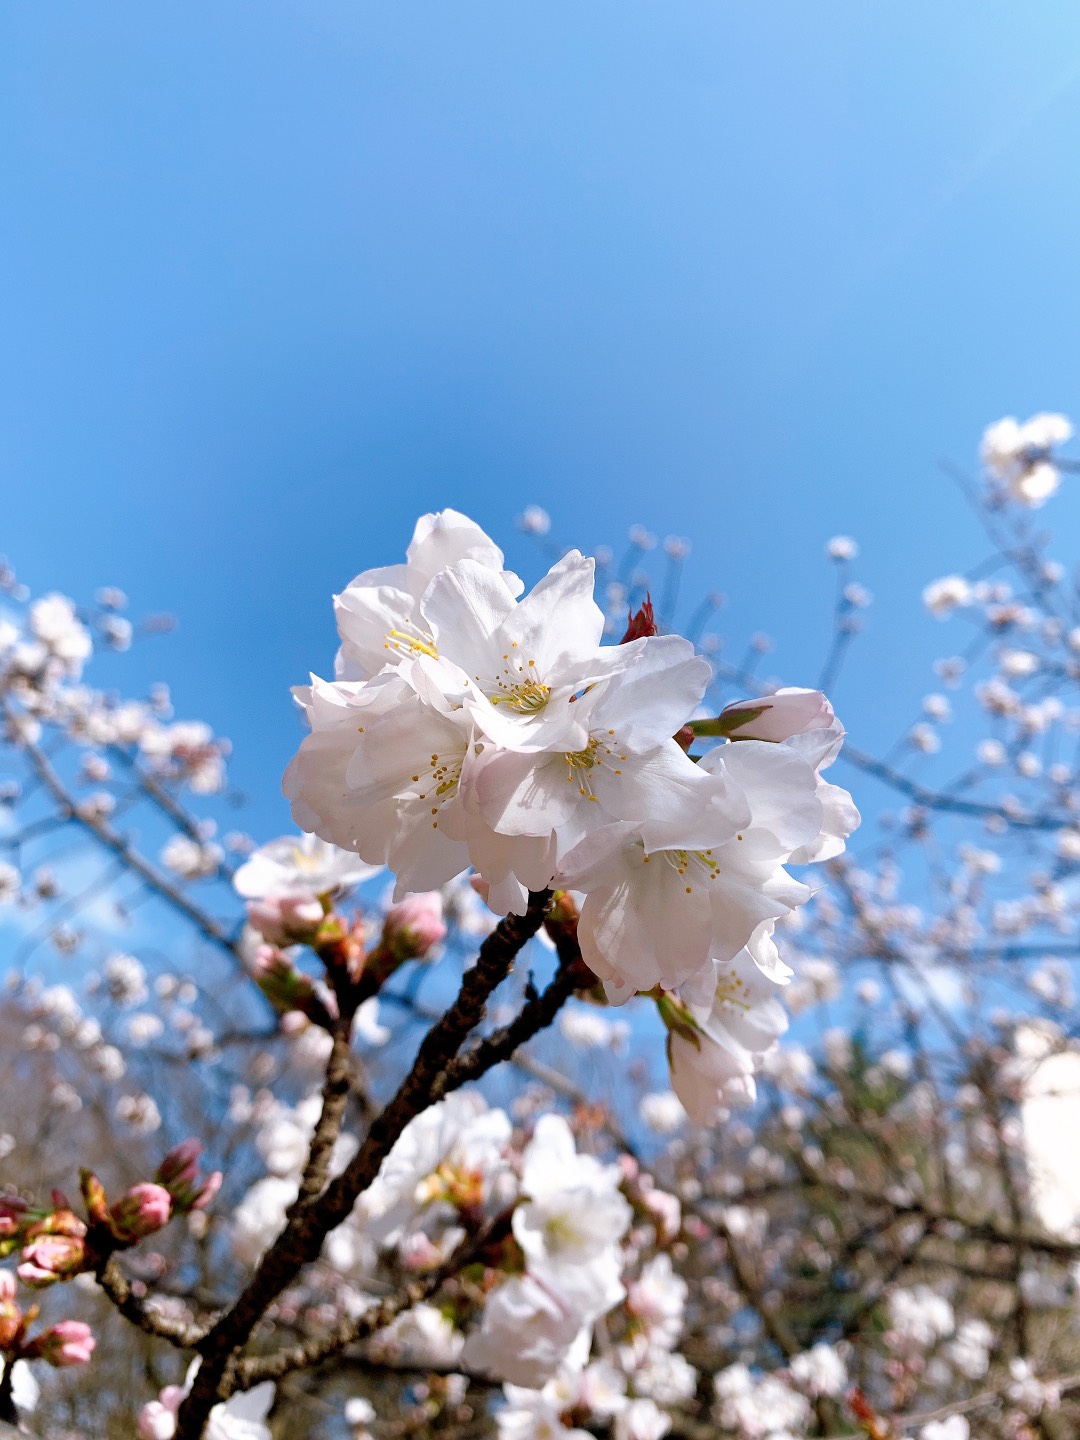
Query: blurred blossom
[(534, 520)]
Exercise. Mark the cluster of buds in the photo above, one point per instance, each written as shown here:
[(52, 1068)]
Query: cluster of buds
[(412, 930), (53, 1241), (292, 888), (70, 1342), (57, 1245), (178, 1174)]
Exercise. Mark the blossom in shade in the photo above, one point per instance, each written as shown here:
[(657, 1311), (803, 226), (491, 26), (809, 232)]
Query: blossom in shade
[(716, 1046), (524, 1335), (449, 1153), (571, 1221)]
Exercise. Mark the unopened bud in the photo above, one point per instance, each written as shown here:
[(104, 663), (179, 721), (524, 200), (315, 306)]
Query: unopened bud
[(11, 1317), (52, 1258), (68, 1343), (56, 1222), (777, 717), (285, 919), (206, 1192), (419, 1253), (143, 1210), (179, 1174), (180, 1166), (13, 1215), (286, 987), (94, 1197), (414, 927), (156, 1421)]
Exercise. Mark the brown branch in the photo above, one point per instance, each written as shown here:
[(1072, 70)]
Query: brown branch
[(536, 1014), (303, 1236), (335, 1098), (318, 1349), (116, 1287)]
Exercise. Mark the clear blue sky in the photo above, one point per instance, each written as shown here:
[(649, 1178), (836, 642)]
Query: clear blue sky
[(276, 277)]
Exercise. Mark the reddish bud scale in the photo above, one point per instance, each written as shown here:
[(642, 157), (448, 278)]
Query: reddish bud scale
[(56, 1222), (94, 1197), (642, 624), (11, 1322), (340, 950)]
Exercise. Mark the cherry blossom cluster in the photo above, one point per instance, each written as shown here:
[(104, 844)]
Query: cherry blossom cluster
[(573, 1240), (892, 1235), (470, 727), (1019, 458)]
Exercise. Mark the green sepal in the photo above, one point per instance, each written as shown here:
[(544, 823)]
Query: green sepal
[(730, 720)]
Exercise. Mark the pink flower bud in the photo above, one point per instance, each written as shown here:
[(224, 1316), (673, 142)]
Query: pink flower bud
[(666, 1211), (418, 1253), (141, 1211), (286, 987), (11, 1317), (414, 926), (285, 919), (210, 1187), (786, 713), (179, 1174), (180, 1166), (68, 1343), (13, 1211), (52, 1258)]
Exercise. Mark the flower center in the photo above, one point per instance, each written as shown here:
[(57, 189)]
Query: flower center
[(525, 699), (597, 753), (405, 644), (692, 865), (731, 990), (439, 780)]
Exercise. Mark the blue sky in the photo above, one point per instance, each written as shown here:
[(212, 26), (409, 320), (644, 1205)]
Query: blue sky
[(277, 277)]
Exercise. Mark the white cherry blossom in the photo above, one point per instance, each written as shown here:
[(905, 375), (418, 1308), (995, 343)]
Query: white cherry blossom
[(378, 613), (299, 865), (525, 1333)]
